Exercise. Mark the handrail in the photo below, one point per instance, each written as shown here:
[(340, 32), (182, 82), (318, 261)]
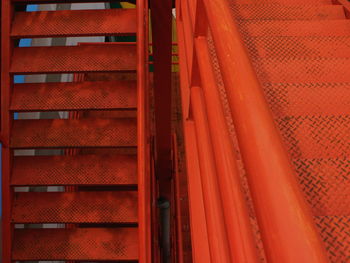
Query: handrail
[(287, 228), (143, 155)]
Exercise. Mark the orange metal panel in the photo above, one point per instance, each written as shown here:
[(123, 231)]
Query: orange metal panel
[(75, 170), (74, 23), (35, 60), (75, 207), (74, 96), (76, 244), (61, 133)]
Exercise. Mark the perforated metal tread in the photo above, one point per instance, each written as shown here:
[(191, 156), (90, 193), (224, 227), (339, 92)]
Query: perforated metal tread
[(106, 57), (75, 207), (326, 184), (84, 244), (335, 232), (60, 133), (283, 2), (299, 47), (291, 12), (303, 70), (74, 96), (312, 136), (74, 170), (65, 23), (296, 28), (313, 99)]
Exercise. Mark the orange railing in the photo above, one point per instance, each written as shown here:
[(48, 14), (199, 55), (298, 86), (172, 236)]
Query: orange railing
[(143, 149), (220, 220)]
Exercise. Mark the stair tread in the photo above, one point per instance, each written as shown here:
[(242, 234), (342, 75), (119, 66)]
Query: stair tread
[(75, 207), (65, 23), (302, 70), (84, 244), (325, 184), (296, 28), (74, 170), (59, 59), (299, 47), (287, 12), (61, 133), (315, 136), (288, 99), (74, 96)]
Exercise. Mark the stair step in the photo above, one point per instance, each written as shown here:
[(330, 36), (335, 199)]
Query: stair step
[(303, 70), (75, 207), (74, 170), (66, 23), (74, 96), (326, 185), (335, 232), (299, 47), (287, 12), (76, 244), (85, 58), (314, 99), (296, 28), (281, 2), (62, 133), (314, 136)]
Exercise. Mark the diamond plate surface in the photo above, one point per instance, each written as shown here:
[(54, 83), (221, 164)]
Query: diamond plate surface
[(76, 244), (60, 133), (335, 232), (314, 99), (326, 184), (75, 207), (74, 23), (296, 28), (303, 70), (107, 57), (74, 96), (275, 11), (75, 170), (299, 47)]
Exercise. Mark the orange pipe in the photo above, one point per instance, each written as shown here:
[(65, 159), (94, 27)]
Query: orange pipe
[(286, 225), (241, 241), (216, 228)]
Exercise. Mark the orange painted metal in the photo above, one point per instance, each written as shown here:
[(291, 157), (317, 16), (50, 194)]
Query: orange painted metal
[(115, 244), (77, 170), (279, 203), (238, 227), (75, 23), (143, 136), (346, 6)]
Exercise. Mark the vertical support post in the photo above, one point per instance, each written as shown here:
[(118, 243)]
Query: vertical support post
[(6, 12), (161, 11)]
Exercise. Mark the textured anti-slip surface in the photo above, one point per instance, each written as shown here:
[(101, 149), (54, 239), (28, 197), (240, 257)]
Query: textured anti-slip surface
[(300, 52)]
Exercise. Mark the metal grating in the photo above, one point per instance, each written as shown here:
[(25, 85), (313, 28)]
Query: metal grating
[(299, 47), (61, 133), (107, 57), (84, 244), (75, 207), (74, 23), (74, 96), (75, 170), (275, 11)]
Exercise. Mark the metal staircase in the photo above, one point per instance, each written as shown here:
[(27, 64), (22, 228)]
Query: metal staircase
[(103, 212)]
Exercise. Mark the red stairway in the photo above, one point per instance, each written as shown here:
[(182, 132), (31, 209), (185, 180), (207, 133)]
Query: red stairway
[(104, 213)]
